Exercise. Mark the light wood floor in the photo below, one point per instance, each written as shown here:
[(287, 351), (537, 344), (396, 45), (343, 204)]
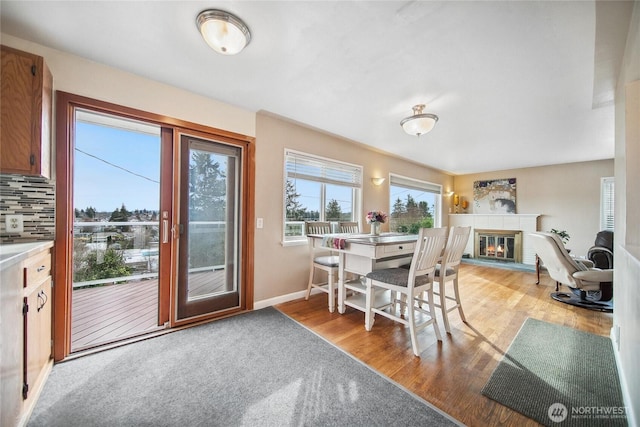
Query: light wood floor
[(451, 374)]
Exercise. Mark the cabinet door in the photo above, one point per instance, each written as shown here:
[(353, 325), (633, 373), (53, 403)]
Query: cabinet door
[(25, 135), (37, 351)]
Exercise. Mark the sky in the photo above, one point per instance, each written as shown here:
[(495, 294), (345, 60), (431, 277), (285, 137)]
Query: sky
[(114, 166), (131, 175)]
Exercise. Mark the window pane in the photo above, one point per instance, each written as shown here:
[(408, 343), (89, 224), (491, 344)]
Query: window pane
[(319, 189), (339, 205), (412, 209)]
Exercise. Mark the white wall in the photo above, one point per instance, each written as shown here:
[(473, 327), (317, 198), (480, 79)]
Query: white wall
[(626, 314)]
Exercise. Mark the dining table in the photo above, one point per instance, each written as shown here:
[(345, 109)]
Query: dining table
[(360, 254)]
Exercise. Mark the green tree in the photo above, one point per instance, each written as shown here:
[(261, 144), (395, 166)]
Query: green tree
[(333, 211), (294, 209), (95, 265), (207, 188), (207, 202), (398, 210), (121, 215)]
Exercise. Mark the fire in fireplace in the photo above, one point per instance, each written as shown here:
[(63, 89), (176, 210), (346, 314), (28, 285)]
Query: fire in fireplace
[(499, 245)]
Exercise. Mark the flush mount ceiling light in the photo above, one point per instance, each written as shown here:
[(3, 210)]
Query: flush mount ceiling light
[(420, 122), (225, 33)]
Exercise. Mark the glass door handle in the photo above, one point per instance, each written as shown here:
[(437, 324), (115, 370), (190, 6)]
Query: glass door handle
[(165, 231)]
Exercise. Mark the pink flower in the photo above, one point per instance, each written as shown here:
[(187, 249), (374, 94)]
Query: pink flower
[(376, 216)]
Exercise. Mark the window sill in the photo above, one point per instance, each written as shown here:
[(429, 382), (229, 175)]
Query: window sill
[(294, 243)]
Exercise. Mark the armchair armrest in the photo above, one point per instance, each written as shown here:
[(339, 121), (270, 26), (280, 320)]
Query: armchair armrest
[(594, 275), (600, 249), (586, 262)]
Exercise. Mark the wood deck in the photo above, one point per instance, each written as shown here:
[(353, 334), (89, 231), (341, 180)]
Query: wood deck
[(105, 314)]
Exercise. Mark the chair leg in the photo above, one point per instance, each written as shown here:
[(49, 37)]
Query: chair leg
[(443, 305), (457, 294), (411, 318), (432, 311), (310, 283)]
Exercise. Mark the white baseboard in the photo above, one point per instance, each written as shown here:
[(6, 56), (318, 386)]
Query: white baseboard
[(631, 421), (257, 305)]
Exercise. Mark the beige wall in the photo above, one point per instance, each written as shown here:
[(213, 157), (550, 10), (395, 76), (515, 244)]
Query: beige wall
[(626, 314), (283, 270), (567, 196), (87, 78)]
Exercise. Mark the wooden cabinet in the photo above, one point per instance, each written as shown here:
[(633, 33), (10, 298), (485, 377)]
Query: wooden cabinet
[(25, 124), (36, 329), (25, 328)]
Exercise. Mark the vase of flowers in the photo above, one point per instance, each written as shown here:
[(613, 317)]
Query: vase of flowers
[(376, 218)]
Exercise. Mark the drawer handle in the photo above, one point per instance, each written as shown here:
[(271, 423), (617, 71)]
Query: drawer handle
[(42, 267), (400, 247), (42, 297)]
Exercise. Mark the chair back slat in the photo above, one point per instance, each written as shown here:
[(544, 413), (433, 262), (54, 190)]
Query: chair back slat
[(456, 243), (429, 246), (349, 227), (317, 227)]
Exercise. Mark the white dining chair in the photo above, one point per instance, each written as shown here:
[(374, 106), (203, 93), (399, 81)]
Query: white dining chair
[(349, 227), (411, 285), (447, 272), (324, 262)]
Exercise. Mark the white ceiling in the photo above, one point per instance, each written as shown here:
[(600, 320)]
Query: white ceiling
[(514, 83)]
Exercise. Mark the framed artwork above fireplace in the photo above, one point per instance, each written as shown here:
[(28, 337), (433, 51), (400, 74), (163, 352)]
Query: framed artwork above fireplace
[(497, 196)]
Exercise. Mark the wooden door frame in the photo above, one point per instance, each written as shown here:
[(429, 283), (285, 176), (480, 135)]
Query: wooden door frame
[(66, 104)]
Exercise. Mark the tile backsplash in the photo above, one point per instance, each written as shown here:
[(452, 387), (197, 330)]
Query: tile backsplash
[(32, 197)]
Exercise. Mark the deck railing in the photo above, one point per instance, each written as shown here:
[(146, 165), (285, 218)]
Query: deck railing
[(145, 252)]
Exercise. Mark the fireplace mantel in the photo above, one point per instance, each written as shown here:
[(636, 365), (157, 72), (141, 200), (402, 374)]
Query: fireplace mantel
[(526, 223)]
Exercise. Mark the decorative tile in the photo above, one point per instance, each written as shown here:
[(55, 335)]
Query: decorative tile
[(35, 199)]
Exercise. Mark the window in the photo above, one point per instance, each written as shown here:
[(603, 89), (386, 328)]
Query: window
[(318, 189), (607, 193), (414, 204)]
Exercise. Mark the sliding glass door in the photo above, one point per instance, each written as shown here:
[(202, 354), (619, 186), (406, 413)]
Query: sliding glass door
[(153, 223), (116, 203)]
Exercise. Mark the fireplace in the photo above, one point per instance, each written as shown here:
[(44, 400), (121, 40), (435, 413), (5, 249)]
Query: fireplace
[(498, 245)]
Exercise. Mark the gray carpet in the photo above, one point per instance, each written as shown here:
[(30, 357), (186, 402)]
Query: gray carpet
[(559, 376), (255, 369)]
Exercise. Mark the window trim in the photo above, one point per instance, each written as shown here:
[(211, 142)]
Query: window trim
[(607, 203)]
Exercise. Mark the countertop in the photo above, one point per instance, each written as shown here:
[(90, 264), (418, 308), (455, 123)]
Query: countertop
[(13, 253)]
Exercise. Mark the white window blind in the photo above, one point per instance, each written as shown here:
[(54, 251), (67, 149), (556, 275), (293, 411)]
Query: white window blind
[(607, 197), (414, 184), (305, 166)]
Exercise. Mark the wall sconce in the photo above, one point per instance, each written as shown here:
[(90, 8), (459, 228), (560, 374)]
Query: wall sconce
[(377, 181)]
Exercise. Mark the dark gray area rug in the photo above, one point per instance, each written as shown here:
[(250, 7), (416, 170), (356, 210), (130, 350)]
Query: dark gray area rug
[(256, 369), (559, 376)]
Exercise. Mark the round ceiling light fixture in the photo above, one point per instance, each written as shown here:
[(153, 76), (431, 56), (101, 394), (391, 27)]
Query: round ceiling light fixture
[(420, 123), (225, 33)]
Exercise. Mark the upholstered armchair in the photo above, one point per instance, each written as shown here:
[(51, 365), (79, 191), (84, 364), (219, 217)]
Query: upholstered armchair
[(601, 253), (590, 287)]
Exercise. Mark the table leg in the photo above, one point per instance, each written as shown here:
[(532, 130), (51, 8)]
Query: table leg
[(341, 288), (538, 269)]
